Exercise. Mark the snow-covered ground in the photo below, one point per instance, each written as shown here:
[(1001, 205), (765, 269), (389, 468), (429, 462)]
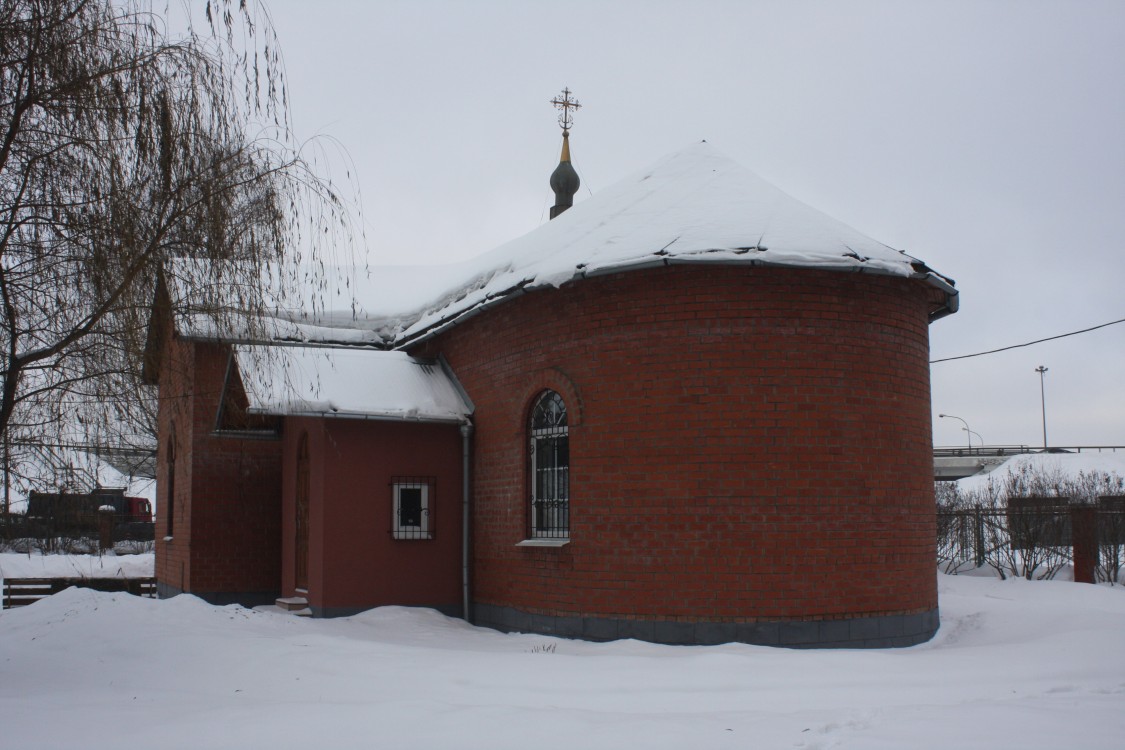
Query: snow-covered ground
[(1015, 664), (35, 565)]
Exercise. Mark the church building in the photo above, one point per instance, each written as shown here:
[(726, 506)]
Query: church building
[(689, 409)]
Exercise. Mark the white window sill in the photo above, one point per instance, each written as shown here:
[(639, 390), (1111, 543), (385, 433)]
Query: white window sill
[(409, 536), (543, 543), (167, 538)]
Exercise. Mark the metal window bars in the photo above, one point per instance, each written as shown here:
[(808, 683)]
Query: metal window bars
[(413, 506), (550, 468)]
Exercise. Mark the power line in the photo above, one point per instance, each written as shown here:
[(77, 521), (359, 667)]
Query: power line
[(1029, 343)]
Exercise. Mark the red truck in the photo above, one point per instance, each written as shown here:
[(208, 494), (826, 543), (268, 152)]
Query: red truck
[(68, 513)]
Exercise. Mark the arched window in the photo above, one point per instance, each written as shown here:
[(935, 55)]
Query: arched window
[(170, 497), (301, 516), (550, 468)]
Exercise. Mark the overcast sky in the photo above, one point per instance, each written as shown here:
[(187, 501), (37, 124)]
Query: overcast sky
[(986, 138)]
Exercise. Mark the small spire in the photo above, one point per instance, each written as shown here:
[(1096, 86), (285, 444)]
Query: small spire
[(564, 180)]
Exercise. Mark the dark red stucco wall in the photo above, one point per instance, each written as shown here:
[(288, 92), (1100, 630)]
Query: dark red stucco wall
[(354, 562)]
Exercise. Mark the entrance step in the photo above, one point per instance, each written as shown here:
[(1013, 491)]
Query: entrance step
[(298, 605)]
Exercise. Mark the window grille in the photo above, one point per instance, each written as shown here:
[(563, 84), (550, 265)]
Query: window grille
[(550, 468), (413, 500)]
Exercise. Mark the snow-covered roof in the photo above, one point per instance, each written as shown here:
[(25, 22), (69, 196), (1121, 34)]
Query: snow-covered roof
[(358, 383), (694, 206)]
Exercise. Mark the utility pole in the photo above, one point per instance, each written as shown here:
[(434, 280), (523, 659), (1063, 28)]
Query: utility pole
[(1043, 401)]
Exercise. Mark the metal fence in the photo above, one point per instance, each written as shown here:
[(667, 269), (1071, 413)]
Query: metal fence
[(1035, 538), (19, 533)]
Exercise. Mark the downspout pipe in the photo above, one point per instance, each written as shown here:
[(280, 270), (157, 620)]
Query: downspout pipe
[(466, 550)]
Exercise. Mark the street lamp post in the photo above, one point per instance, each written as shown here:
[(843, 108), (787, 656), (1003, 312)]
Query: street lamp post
[(1043, 401), (971, 433), (968, 432)]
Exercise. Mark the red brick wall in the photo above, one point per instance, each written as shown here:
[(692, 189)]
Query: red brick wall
[(354, 562), (226, 538), (177, 364), (746, 443)]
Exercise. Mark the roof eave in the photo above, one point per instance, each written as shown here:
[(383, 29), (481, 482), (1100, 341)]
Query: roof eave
[(363, 416), (926, 275)]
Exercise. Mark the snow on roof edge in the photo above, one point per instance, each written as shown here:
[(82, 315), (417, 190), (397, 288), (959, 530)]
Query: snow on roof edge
[(355, 383), (407, 338)]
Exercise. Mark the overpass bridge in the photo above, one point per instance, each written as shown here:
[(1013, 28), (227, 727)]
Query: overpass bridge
[(951, 464)]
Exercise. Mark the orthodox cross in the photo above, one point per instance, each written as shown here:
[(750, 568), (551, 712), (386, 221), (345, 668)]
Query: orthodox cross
[(565, 102)]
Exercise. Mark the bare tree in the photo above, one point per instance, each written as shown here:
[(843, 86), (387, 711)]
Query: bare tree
[(124, 148), (1020, 522)]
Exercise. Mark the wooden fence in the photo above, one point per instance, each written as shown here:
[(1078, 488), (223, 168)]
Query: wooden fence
[(19, 592)]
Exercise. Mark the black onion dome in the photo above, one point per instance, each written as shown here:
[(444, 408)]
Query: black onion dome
[(564, 180)]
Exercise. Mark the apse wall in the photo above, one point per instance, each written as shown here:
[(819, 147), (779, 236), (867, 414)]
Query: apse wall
[(750, 457)]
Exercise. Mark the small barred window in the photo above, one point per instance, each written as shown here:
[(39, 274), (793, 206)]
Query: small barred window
[(412, 507)]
